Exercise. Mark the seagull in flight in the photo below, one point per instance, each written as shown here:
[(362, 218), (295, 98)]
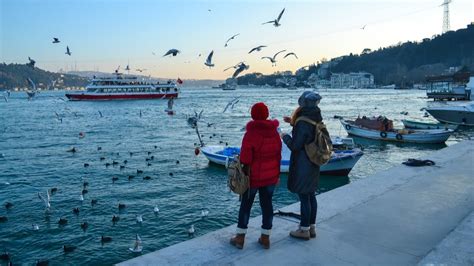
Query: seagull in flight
[(258, 48), (288, 54), (46, 199), (241, 67), (231, 38), (68, 52), (234, 66), (363, 28), (56, 40), (173, 52), (273, 59), (209, 60), (276, 22), (31, 63)]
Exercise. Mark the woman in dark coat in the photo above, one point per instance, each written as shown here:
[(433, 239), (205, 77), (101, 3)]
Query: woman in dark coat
[(303, 175)]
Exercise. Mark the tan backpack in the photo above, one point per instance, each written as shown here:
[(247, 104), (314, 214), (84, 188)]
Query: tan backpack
[(237, 181), (319, 151)]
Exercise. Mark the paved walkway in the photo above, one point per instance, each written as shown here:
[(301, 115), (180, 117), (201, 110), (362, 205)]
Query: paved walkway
[(401, 216)]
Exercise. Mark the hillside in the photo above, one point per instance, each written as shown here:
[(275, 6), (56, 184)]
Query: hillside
[(16, 75), (406, 63), (412, 61)]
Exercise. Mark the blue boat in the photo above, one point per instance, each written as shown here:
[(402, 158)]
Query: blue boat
[(343, 159)]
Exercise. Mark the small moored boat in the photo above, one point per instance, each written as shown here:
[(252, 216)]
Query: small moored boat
[(400, 135), (412, 124), (343, 159)]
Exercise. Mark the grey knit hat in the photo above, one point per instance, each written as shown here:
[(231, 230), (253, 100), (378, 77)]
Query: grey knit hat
[(308, 99)]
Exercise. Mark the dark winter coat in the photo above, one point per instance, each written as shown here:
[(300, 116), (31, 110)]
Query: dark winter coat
[(261, 151), (303, 177)]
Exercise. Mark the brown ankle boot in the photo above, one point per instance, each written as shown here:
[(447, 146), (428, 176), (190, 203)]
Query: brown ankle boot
[(312, 231), (264, 240), (238, 241), (300, 233)]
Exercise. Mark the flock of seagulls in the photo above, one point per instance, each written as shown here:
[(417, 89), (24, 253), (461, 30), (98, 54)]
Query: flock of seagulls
[(46, 198), (241, 66)]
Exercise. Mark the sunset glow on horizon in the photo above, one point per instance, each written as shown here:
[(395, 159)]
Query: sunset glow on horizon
[(105, 34)]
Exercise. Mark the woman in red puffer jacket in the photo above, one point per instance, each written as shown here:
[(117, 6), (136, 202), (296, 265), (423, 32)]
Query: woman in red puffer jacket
[(261, 155)]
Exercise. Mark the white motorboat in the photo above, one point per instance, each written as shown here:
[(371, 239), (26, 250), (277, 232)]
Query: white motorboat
[(458, 115), (343, 159), (401, 135)]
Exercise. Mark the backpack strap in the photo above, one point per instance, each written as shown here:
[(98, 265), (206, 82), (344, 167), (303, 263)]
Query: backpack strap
[(306, 119)]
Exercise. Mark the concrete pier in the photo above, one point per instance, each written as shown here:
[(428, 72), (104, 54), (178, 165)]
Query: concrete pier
[(401, 216)]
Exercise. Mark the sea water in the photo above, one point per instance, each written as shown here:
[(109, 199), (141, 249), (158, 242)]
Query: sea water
[(35, 137)]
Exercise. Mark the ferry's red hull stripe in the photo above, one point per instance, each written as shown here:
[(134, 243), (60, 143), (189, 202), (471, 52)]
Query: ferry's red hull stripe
[(94, 97)]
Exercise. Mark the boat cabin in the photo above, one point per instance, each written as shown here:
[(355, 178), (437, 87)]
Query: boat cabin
[(449, 87)]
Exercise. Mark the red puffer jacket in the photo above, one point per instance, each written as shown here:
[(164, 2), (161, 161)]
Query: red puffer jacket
[(261, 150)]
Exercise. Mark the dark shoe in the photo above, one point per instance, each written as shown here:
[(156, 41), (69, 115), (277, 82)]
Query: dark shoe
[(312, 231), (264, 240), (301, 234), (238, 241)]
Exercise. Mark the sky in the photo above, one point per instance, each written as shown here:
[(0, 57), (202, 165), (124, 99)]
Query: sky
[(105, 34)]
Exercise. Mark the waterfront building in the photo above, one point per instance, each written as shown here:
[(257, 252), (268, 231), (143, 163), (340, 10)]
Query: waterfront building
[(352, 80)]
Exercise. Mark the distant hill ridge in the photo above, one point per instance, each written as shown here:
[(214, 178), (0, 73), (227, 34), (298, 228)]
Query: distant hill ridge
[(404, 63), (413, 61), (16, 75)]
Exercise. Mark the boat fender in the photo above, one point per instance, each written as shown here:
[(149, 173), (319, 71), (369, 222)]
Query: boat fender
[(399, 136), (348, 127), (196, 151), (383, 134)]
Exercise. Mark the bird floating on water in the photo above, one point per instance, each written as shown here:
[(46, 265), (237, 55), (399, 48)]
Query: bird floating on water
[(105, 239), (69, 248), (231, 38), (139, 218), (204, 213), (8, 205), (173, 52), (115, 219), (156, 210), (81, 197), (276, 22), (191, 230), (62, 221), (35, 227), (209, 60), (84, 225)]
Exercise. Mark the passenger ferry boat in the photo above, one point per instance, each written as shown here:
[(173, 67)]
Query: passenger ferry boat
[(121, 87)]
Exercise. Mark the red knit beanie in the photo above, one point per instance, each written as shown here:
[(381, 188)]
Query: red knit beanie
[(259, 111)]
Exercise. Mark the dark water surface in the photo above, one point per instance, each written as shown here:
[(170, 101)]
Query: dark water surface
[(34, 157)]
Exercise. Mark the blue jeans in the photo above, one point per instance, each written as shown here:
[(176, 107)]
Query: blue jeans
[(265, 194), (308, 209)]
